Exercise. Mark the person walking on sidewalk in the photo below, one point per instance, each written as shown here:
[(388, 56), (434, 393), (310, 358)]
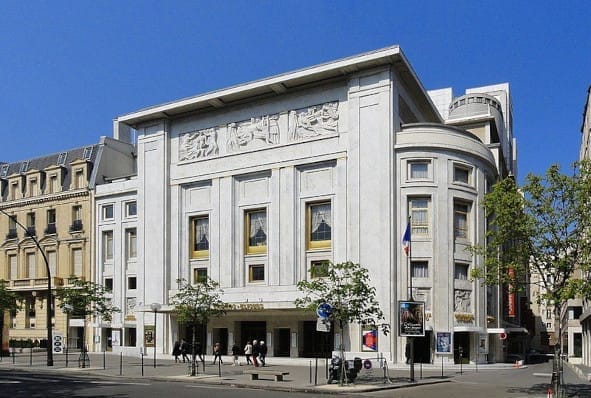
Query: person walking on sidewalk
[(255, 353), (248, 352), (185, 350), (217, 353), (262, 352), (235, 353), (176, 351)]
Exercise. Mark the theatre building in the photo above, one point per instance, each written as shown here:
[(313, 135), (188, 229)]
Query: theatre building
[(255, 185)]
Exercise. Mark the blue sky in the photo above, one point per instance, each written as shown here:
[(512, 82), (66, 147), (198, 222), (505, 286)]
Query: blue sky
[(67, 68)]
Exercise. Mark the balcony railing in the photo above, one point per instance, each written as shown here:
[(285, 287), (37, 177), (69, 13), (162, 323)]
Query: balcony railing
[(31, 231), (50, 230), (12, 234), (76, 226), (33, 283)]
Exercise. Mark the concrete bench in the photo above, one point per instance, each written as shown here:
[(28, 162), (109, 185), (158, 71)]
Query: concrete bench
[(254, 373)]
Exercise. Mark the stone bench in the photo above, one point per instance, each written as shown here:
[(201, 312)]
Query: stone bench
[(254, 373)]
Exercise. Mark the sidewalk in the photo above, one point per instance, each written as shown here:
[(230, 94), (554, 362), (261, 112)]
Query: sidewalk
[(305, 375), (582, 371)]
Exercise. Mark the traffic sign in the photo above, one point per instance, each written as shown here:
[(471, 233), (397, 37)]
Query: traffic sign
[(324, 310), (322, 325), (58, 343)]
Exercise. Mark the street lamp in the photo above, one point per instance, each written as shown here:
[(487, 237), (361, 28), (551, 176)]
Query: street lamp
[(68, 308), (155, 307), (49, 297)]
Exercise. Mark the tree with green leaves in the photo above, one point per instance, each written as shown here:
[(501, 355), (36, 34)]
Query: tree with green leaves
[(196, 304), (539, 234), (82, 299), (8, 302), (346, 288)]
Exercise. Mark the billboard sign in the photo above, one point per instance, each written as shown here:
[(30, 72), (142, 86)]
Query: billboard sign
[(411, 318)]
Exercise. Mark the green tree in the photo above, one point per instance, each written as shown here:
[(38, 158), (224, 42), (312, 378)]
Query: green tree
[(8, 298), (346, 288), (83, 299), (196, 304), (539, 234)]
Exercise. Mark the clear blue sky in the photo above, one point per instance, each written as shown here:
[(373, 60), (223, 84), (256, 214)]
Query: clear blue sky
[(67, 68)]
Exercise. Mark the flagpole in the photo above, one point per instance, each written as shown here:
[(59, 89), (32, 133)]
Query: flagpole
[(411, 340)]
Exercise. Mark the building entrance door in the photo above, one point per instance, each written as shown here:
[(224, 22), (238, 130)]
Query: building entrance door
[(252, 330), (422, 348), (317, 344), (282, 342), (461, 347), (220, 335)]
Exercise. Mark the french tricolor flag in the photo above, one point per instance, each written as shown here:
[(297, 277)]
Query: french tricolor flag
[(406, 239)]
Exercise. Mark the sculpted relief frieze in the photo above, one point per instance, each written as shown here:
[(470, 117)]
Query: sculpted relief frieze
[(198, 144), (313, 121), (253, 133), (258, 132)]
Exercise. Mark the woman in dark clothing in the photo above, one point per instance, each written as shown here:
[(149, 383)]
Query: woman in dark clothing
[(176, 351)]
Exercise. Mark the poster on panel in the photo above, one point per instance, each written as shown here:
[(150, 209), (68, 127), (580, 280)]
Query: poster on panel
[(443, 343), (411, 319), (369, 339)]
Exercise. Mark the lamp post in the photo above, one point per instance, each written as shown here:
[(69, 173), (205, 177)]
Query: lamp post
[(155, 307), (68, 308), (49, 297)]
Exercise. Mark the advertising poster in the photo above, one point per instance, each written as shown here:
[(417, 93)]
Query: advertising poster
[(483, 344), (443, 343), (369, 340), (412, 318), (149, 336)]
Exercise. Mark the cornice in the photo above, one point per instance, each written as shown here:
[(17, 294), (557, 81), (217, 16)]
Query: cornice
[(44, 199)]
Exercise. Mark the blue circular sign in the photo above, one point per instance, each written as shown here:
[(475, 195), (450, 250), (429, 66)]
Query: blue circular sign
[(324, 310)]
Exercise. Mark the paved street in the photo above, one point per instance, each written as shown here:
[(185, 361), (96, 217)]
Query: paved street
[(113, 375)]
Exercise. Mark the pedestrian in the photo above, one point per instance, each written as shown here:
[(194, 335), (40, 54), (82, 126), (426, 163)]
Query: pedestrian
[(217, 353), (235, 353), (176, 351), (262, 352), (248, 352), (255, 353), (407, 352), (185, 350)]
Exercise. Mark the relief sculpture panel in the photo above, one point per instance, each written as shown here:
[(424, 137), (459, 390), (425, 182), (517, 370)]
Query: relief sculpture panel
[(198, 144), (253, 133), (313, 121), (462, 301)]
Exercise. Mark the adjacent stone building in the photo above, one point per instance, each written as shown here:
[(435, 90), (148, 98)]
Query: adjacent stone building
[(49, 200)]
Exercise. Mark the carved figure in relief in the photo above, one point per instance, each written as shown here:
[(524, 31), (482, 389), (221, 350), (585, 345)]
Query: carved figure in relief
[(314, 121), (265, 129), (198, 144), (462, 302)]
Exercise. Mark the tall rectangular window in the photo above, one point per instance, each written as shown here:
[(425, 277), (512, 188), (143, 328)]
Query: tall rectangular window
[(418, 169), (256, 231), (12, 260), (419, 215), (319, 225), (79, 179), (461, 211), (77, 264), (33, 187), (131, 241), (77, 213), (199, 237), (53, 184), (107, 245), (31, 224), (52, 260), (51, 218), (419, 269), (31, 266)]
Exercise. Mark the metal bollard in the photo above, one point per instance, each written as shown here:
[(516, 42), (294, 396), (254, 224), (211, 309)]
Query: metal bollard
[(120, 363)]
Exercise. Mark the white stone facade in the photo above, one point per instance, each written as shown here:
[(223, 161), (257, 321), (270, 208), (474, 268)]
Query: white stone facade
[(261, 160)]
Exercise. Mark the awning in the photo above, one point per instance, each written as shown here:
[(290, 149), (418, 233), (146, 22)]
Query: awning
[(473, 329), (518, 329)]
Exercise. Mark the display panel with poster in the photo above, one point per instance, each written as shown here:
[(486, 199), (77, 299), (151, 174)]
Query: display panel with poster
[(483, 344), (369, 339), (411, 319), (149, 336), (443, 343)]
